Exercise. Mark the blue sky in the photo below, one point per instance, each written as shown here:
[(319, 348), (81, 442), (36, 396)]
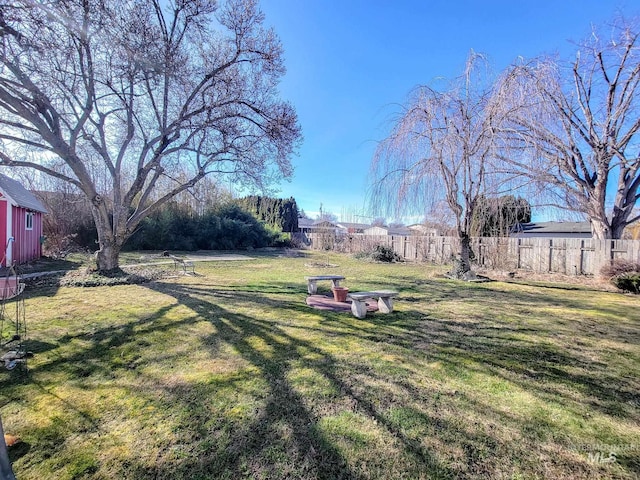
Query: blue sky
[(351, 62)]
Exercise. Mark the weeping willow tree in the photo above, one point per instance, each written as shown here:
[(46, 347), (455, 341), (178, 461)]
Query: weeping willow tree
[(439, 152)]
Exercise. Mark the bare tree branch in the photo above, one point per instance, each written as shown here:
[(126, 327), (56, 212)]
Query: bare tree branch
[(581, 127), (128, 93)]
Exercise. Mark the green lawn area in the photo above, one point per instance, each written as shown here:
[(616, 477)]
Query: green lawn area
[(229, 374)]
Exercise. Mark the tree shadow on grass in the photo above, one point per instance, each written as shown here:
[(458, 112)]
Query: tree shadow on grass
[(483, 454), (537, 360), (530, 356), (542, 358), (286, 426), (497, 334), (578, 299), (250, 447), (284, 434)]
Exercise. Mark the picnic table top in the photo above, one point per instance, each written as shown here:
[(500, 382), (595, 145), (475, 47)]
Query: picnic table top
[(325, 277), (377, 293)]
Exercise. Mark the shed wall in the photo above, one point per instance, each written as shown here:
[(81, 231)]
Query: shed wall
[(26, 245), (3, 228)]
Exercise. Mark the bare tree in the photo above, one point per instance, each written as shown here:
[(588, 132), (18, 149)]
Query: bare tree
[(439, 149), (135, 102), (574, 129), (68, 223)]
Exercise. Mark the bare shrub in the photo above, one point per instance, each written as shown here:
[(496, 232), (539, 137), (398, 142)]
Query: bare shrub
[(624, 274), (619, 267)]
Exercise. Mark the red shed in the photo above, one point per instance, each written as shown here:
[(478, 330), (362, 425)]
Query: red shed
[(20, 223)]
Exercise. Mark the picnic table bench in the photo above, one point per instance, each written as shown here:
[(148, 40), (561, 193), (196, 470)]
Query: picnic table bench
[(312, 286), (184, 263), (359, 301)]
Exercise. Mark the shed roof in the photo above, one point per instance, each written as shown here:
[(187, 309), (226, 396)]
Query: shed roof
[(19, 195)]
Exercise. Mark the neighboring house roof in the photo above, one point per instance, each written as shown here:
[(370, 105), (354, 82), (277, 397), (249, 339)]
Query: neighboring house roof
[(400, 231), (353, 226), (423, 229), (553, 228), (375, 228), (305, 222), (19, 195), (315, 224), (324, 224)]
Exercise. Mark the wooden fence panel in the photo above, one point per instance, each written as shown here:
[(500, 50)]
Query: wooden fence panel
[(557, 255), (526, 254), (573, 255), (634, 251), (588, 258), (495, 252)]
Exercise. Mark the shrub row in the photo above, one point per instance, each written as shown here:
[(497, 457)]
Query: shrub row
[(227, 228)]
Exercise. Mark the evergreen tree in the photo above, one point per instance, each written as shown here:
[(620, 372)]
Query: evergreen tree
[(280, 214)]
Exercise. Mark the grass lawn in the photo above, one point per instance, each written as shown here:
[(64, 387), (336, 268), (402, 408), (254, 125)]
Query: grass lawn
[(228, 374)]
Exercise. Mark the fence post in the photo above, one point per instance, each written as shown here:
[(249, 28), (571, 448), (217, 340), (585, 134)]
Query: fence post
[(581, 267), (608, 252)]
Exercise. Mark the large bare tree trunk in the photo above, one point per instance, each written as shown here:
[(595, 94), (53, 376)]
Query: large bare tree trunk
[(617, 230), (600, 230), (111, 235), (465, 253), (603, 230), (462, 265), (107, 257), (597, 213)]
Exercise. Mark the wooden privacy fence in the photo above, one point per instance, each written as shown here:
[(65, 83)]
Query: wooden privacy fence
[(570, 256)]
